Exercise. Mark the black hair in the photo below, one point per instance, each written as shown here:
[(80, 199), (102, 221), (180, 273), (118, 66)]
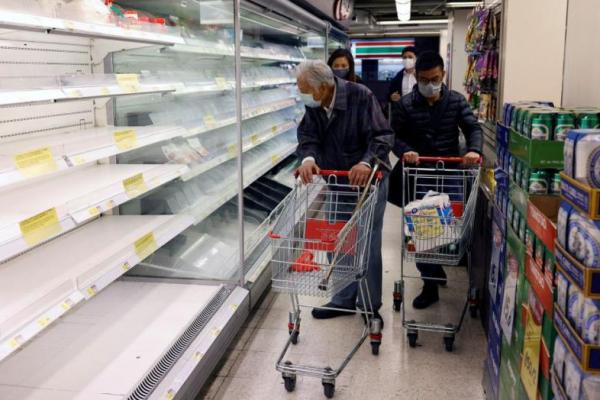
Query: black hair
[(348, 56), (429, 60), (409, 49)]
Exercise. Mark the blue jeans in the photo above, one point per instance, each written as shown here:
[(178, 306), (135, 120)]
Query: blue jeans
[(349, 297)]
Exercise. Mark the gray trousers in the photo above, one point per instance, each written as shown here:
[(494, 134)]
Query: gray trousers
[(349, 297)]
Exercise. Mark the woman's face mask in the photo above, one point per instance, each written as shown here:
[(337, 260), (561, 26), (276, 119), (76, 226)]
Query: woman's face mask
[(341, 72)]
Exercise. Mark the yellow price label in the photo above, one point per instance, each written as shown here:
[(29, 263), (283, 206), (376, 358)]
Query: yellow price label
[(233, 307), (44, 322), (78, 160), (274, 159), (129, 83), (94, 211), (110, 204), (66, 305), (530, 364), (74, 93), (209, 121), (126, 266), (40, 227), (254, 139), (125, 139), (145, 245), (170, 394), (216, 331), (14, 342), (35, 162), (274, 128), (135, 185), (91, 291), (198, 355), (232, 150), (104, 91), (221, 82)]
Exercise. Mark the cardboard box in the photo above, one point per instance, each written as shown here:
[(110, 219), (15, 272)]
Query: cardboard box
[(587, 355), (536, 153), (509, 378), (582, 196), (542, 283), (586, 279)]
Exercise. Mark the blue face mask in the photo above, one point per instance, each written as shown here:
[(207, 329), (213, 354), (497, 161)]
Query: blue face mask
[(341, 72), (308, 100)]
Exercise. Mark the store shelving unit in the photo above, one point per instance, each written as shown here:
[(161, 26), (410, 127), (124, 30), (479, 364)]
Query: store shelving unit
[(120, 150)]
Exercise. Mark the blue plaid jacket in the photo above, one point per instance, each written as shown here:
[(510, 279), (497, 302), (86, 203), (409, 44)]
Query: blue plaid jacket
[(357, 130)]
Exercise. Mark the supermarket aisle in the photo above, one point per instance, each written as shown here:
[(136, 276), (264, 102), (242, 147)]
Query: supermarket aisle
[(399, 372)]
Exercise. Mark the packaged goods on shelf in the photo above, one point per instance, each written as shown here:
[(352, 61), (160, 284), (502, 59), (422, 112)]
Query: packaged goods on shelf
[(579, 235), (582, 156)]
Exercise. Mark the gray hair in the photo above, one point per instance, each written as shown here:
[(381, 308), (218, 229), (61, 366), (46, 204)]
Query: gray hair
[(316, 72)]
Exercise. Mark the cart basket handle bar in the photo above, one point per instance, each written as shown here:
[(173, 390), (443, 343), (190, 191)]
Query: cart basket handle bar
[(457, 160), (340, 173)]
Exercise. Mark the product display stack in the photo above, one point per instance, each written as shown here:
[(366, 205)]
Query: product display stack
[(481, 77), (576, 363), (521, 336)]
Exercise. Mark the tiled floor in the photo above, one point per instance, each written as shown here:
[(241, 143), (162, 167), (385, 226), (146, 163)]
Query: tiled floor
[(399, 372)]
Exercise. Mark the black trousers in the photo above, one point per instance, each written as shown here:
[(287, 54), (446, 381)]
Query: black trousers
[(430, 271)]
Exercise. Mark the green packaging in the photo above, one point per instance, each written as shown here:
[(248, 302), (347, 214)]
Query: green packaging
[(538, 183), (565, 121), (588, 120), (540, 125)]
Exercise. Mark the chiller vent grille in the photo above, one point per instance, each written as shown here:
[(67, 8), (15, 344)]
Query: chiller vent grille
[(160, 370)]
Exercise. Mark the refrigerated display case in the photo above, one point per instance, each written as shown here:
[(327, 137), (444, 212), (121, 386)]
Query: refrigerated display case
[(145, 151)]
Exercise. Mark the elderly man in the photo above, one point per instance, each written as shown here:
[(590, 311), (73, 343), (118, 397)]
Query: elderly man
[(344, 129)]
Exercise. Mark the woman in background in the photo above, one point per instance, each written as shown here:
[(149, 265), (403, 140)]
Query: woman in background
[(342, 64)]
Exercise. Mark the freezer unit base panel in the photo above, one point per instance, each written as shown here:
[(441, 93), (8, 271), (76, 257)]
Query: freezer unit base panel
[(106, 347)]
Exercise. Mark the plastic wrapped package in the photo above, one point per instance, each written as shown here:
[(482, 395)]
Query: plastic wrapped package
[(559, 358), (575, 307), (562, 290), (591, 321)]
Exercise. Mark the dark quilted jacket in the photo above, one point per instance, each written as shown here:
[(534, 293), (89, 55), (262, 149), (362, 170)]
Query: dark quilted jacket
[(433, 130)]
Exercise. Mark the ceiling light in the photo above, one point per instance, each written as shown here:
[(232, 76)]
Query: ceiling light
[(403, 9), (415, 22), (464, 4)]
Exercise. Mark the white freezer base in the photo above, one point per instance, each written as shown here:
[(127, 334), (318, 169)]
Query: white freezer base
[(106, 347)]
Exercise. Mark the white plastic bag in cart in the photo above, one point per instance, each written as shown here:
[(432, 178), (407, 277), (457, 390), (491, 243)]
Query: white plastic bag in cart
[(429, 222)]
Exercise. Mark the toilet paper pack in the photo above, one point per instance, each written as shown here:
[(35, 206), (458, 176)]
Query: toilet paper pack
[(562, 291), (579, 235), (575, 307), (573, 378), (559, 358), (591, 321), (582, 155), (590, 387)]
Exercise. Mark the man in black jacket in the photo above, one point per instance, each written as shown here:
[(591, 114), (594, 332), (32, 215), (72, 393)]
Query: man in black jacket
[(427, 123)]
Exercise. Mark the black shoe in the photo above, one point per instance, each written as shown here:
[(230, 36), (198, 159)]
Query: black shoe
[(319, 313), (376, 315), (429, 295)]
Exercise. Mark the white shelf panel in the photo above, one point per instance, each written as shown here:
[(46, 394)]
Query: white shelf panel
[(63, 26), (250, 143), (40, 211), (246, 52), (208, 206), (87, 87), (110, 344), (61, 151), (247, 114), (39, 286)]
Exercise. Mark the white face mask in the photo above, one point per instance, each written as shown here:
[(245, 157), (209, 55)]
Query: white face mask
[(309, 101), (409, 63)]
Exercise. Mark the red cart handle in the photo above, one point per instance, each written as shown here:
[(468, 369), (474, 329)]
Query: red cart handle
[(456, 160), (340, 173)]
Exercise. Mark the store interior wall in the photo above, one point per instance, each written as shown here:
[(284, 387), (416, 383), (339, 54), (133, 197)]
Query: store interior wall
[(582, 66), (532, 52), (444, 47), (458, 55)]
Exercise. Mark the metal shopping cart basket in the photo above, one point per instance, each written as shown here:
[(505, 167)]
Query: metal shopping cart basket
[(439, 209), (320, 245)]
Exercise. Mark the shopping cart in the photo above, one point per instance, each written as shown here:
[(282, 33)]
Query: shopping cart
[(321, 245), (439, 234)]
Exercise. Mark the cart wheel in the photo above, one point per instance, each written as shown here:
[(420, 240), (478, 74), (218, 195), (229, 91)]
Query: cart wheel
[(449, 343), (412, 338), (290, 383), (294, 336), (473, 310), (328, 389), (375, 348)]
